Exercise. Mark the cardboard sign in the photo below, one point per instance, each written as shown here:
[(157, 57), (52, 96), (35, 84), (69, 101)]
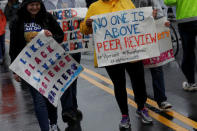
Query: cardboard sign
[(125, 36), (45, 66), (165, 46), (69, 20)]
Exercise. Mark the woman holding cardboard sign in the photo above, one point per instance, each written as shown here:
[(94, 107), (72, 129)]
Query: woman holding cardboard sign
[(117, 72), (31, 18)]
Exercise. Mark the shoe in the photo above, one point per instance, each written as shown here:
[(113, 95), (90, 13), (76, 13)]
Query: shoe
[(54, 127), (69, 116), (189, 87), (72, 116), (165, 105), (125, 123), (74, 127), (143, 114), (79, 114)]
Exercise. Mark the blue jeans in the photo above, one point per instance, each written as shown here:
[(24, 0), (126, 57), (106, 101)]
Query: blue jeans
[(44, 110), (158, 84), (69, 98), (188, 33), (2, 46)]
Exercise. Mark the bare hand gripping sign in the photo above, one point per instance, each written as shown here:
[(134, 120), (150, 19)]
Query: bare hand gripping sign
[(69, 20), (45, 66), (125, 36)]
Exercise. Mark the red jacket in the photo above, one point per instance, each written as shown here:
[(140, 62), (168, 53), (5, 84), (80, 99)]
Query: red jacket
[(2, 22)]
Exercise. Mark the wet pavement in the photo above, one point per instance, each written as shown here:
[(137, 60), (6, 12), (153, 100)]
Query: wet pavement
[(97, 102)]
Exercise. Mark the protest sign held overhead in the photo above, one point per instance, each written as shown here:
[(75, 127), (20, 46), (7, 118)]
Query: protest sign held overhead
[(125, 36), (165, 46), (45, 66), (69, 20)]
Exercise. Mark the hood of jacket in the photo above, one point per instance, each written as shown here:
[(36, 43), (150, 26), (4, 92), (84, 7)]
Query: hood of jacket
[(23, 13)]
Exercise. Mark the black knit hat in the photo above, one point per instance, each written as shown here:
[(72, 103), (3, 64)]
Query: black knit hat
[(25, 2)]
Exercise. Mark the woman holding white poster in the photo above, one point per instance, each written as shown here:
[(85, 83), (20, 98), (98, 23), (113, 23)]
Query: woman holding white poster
[(117, 72), (31, 18)]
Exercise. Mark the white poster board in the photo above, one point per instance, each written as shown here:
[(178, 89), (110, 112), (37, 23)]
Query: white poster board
[(69, 20), (45, 66), (165, 46), (125, 36)]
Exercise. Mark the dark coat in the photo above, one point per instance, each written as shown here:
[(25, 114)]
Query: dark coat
[(10, 11), (43, 18), (89, 2)]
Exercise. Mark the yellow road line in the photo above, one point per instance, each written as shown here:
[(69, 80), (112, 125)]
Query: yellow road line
[(94, 82), (98, 76), (172, 113), (131, 102)]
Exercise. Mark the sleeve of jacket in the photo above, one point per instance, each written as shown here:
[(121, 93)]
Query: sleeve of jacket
[(3, 19), (129, 4), (170, 2), (56, 30), (83, 28)]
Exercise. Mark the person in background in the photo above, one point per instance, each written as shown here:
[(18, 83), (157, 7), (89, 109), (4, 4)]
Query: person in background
[(163, 7), (117, 72), (11, 8), (59, 4), (70, 112), (30, 19), (157, 72), (68, 3), (186, 16), (2, 36), (174, 11)]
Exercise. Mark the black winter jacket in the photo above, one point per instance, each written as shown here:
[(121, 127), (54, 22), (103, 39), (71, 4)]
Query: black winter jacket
[(89, 2), (43, 18)]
